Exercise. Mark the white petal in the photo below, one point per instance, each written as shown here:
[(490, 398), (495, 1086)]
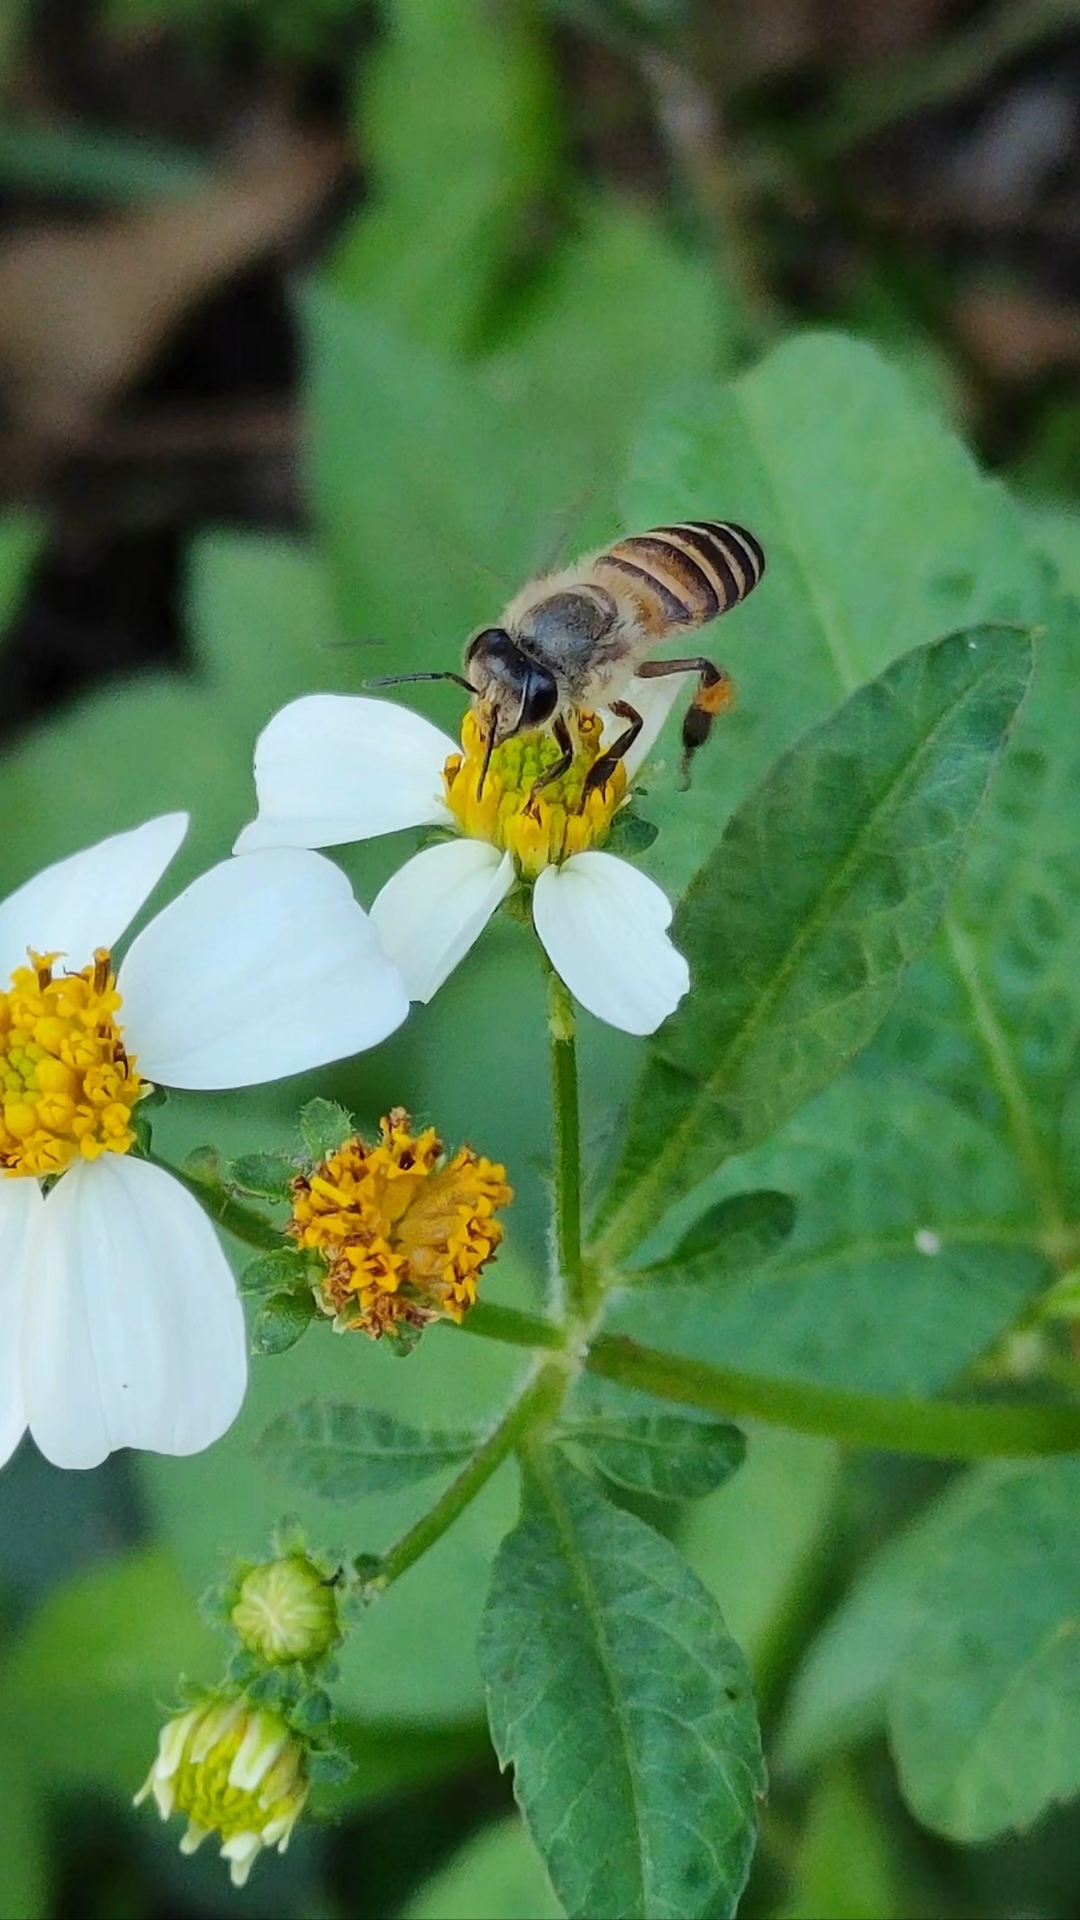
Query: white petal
[(333, 767), (134, 1336), (20, 1205), (264, 966), (91, 898), (653, 699), (432, 910), (604, 926)]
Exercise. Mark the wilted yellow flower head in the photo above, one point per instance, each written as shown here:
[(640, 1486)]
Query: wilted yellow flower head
[(234, 1770), (402, 1235)]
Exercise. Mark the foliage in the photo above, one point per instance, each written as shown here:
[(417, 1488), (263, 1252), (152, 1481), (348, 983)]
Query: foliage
[(612, 1680), (844, 1177)]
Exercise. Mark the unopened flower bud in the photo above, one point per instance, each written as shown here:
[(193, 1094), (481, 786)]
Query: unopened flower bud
[(234, 1770), (287, 1610)]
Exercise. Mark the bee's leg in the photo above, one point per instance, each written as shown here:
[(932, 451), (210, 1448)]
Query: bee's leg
[(565, 760), (715, 694), (603, 768)]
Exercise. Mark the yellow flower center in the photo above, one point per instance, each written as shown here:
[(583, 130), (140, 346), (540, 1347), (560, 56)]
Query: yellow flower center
[(543, 828), (67, 1085), (235, 1770), (240, 1772), (403, 1237)]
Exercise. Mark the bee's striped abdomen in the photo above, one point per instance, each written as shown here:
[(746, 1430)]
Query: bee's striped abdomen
[(694, 570)]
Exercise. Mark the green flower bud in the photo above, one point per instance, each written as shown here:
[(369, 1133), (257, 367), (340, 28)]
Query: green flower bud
[(287, 1610)]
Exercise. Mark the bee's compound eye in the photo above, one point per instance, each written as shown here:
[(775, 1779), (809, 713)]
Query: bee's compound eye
[(494, 648), (540, 699)]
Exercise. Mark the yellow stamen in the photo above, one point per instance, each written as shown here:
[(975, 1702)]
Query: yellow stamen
[(539, 829), (67, 1084), (403, 1238)]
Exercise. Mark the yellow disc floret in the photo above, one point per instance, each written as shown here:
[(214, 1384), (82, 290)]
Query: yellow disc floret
[(67, 1085), (234, 1770), (402, 1235), (541, 828)]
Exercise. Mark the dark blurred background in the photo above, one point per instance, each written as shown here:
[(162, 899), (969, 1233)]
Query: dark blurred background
[(167, 167)]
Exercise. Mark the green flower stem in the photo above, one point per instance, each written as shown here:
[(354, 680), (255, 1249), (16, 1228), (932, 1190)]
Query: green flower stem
[(513, 1328), (578, 1294), (536, 1403), (243, 1222), (946, 1429)]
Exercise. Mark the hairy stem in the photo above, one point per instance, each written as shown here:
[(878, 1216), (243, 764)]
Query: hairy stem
[(567, 1163), (243, 1222), (537, 1401), (946, 1429), (509, 1325)]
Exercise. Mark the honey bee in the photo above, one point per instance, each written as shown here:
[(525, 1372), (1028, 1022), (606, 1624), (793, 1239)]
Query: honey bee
[(574, 639)]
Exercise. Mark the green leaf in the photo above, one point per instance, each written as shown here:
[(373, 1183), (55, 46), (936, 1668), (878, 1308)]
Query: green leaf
[(86, 1683), (441, 488), (634, 1442), (280, 1322), (90, 164), (984, 1705), (268, 1174), (464, 97), (910, 1215), (844, 1865), (280, 1271), (339, 1451), (992, 1014), (205, 1164), (581, 347), (329, 1767), (21, 539), (1056, 531), (396, 1754), (431, 492), (728, 1241), (496, 1873), (827, 883), (630, 834), (324, 1127), (879, 531), (756, 1543), (26, 1856), (624, 1708), (839, 1696)]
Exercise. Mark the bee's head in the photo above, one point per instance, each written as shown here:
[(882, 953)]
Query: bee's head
[(512, 692)]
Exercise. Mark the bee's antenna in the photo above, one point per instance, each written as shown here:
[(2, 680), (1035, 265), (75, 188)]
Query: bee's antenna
[(400, 679), (489, 749)]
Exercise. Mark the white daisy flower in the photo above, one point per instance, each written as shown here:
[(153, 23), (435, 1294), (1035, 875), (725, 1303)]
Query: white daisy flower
[(334, 768), (121, 1323)]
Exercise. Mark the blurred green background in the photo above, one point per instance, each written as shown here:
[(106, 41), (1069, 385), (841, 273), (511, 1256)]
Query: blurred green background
[(323, 324)]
